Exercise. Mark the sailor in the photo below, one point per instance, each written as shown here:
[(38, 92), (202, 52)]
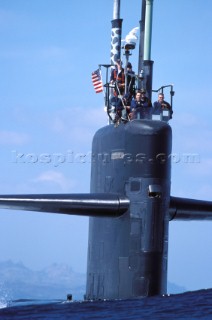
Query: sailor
[(130, 79), (123, 107), (115, 103), (141, 106), (118, 78), (161, 105)]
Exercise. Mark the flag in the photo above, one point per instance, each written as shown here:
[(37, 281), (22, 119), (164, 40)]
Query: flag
[(97, 81)]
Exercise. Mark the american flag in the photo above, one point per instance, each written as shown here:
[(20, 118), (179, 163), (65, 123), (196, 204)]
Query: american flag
[(97, 81)]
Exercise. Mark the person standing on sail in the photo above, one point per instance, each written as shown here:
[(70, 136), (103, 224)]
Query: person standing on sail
[(161, 105), (130, 79), (118, 78), (141, 106)]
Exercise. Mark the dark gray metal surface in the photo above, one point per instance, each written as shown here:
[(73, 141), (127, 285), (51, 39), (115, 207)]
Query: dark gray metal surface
[(127, 256), (190, 209), (104, 205)]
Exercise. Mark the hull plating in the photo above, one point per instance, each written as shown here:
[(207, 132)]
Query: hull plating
[(127, 256)]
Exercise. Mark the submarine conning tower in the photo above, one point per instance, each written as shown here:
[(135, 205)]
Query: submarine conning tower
[(129, 259)]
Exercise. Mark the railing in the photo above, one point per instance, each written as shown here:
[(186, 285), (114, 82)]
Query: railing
[(111, 102), (153, 114)]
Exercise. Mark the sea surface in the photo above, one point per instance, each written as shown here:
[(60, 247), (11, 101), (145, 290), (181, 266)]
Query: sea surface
[(188, 305)]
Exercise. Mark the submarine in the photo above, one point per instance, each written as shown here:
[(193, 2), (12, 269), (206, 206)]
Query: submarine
[(129, 203)]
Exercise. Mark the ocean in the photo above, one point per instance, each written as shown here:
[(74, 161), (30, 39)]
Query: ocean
[(188, 305)]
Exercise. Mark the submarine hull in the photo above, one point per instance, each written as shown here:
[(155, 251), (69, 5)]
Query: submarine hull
[(127, 256)]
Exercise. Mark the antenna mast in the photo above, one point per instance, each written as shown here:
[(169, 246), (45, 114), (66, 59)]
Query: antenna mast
[(116, 31), (142, 27), (145, 63)]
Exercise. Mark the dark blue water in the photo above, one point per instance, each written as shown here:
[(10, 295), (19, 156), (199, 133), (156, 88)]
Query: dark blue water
[(189, 305)]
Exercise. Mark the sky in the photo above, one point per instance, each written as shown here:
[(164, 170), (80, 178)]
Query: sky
[(48, 50)]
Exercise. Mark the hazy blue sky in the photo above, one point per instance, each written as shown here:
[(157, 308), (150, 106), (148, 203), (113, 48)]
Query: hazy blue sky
[(48, 50)]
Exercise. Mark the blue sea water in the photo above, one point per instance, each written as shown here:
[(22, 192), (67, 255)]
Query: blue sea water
[(189, 305)]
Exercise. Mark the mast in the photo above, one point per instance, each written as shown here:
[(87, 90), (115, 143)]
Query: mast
[(116, 31), (145, 64), (148, 30), (142, 27)]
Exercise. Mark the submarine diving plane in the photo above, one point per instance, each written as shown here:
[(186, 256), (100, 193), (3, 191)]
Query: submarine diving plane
[(129, 203)]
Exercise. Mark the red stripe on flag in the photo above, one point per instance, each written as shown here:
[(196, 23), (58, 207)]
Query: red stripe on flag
[(97, 81)]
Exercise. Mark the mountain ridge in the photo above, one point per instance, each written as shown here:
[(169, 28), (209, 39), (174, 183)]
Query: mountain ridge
[(52, 282)]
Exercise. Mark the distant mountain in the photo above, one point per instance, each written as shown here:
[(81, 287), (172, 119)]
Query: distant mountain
[(53, 282), (174, 288)]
